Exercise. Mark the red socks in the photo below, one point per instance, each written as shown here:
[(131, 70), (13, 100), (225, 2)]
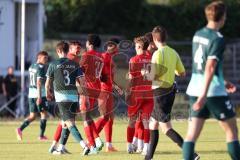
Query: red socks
[(101, 122), (146, 135), (108, 130), (58, 132), (89, 135), (130, 134)]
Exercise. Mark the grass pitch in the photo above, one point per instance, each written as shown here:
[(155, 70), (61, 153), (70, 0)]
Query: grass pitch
[(211, 144)]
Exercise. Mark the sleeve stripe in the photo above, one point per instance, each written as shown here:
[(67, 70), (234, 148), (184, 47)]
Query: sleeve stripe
[(213, 57)]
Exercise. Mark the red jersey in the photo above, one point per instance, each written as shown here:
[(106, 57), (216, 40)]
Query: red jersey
[(107, 72), (136, 64), (92, 64)]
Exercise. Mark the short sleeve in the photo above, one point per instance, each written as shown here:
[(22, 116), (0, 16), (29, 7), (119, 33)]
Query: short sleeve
[(216, 49), (50, 71), (179, 65), (40, 72), (79, 72)]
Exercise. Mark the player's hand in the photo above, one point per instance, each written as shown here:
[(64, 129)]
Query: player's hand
[(39, 101), (199, 103), (49, 97), (230, 87)]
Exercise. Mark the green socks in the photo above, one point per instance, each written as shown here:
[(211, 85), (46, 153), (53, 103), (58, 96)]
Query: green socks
[(64, 136), (24, 124), (43, 123), (188, 150), (74, 131), (234, 150)]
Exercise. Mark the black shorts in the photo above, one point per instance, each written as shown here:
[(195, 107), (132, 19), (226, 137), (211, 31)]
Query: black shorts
[(68, 110), (163, 104)]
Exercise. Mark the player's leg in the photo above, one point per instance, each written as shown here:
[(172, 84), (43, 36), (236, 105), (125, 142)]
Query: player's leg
[(154, 135), (231, 130), (130, 132), (56, 137), (33, 110), (223, 110), (140, 136), (68, 112), (102, 104), (43, 108), (63, 139), (108, 128), (195, 126)]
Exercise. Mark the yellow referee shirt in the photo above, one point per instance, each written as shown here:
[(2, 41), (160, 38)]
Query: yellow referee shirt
[(165, 63)]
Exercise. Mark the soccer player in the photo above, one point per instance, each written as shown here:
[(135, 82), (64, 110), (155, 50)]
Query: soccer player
[(165, 63), (73, 54), (139, 129), (36, 96), (141, 107), (106, 100), (92, 64), (64, 74), (206, 90)]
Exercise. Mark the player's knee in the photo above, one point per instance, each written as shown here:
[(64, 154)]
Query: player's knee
[(69, 123)]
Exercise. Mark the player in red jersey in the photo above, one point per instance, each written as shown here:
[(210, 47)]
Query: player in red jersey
[(92, 64), (73, 54), (139, 129), (139, 108), (106, 96)]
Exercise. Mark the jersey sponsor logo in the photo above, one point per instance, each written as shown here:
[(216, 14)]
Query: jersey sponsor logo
[(201, 40)]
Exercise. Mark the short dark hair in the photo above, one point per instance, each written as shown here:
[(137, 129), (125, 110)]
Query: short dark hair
[(149, 37), (112, 40), (160, 33), (94, 40), (143, 41), (63, 47), (215, 11), (75, 43), (42, 53)]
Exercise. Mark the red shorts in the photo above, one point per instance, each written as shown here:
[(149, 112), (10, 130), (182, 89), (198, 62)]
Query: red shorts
[(87, 101), (142, 108)]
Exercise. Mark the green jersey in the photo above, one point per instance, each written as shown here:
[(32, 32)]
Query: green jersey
[(36, 71), (64, 73), (207, 44)]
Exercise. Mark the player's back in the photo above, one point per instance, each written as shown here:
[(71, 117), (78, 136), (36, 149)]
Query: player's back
[(92, 64), (107, 71), (167, 62), (137, 64), (64, 73), (36, 71)]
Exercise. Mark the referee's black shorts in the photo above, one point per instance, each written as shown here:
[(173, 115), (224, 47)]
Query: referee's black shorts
[(163, 102)]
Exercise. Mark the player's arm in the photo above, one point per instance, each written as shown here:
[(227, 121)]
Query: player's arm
[(48, 85), (209, 72), (49, 82), (39, 91), (180, 70)]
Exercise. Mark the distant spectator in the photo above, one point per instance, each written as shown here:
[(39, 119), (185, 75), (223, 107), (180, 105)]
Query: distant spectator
[(10, 87)]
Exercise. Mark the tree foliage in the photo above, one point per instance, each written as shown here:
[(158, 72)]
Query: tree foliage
[(133, 17)]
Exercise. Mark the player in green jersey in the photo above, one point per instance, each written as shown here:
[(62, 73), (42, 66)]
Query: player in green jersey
[(66, 75), (207, 88), (37, 96)]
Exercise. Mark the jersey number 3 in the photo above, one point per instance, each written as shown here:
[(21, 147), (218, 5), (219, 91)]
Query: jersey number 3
[(66, 77)]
